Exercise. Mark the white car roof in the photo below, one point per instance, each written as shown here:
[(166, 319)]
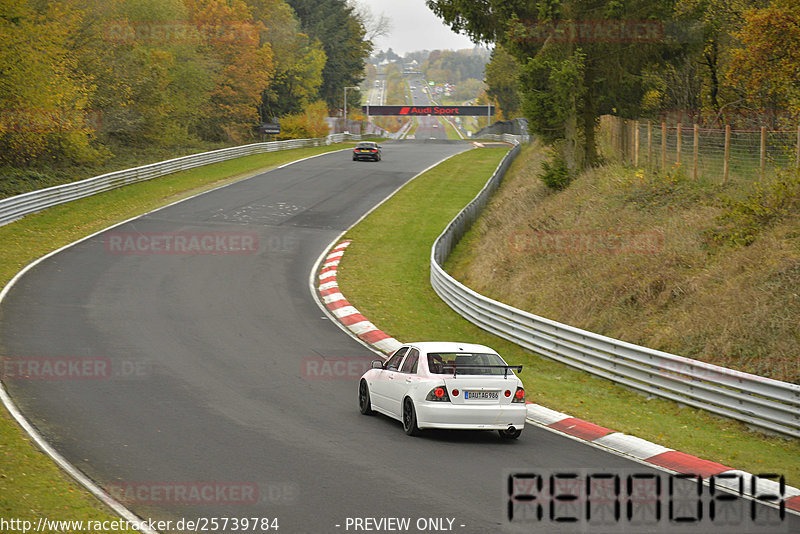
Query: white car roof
[(450, 346)]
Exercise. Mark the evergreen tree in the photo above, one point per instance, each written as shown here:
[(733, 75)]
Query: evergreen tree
[(342, 35)]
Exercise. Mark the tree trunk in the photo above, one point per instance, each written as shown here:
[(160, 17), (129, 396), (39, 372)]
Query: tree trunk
[(571, 138), (588, 118), (711, 60)]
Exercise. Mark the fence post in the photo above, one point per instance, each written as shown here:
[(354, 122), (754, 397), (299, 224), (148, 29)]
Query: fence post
[(635, 143), (763, 161), (663, 145), (623, 139), (696, 151), (650, 143), (725, 165), (678, 149)]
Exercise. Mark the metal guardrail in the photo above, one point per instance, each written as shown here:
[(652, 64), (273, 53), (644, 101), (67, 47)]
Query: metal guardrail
[(761, 402), (517, 126), (16, 207), (506, 138)]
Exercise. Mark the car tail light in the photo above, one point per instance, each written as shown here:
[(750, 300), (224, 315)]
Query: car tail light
[(438, 394), (455, 393), (507, 393), (519, 396)]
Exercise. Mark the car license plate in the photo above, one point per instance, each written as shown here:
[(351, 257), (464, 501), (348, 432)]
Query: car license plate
[(481, 395)]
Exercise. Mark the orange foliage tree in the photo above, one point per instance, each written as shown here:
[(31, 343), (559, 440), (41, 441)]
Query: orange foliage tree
[(242, 63)]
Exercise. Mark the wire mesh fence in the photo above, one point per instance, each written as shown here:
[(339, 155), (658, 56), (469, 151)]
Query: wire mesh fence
[(714, 153)]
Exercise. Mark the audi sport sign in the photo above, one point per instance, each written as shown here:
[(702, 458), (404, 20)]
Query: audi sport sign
[(417, 111)]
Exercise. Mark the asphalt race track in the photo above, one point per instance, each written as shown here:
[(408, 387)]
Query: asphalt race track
[(429, 127), (215, 363)]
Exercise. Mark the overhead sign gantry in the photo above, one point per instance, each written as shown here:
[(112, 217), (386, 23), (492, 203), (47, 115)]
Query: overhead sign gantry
[(423, 111)]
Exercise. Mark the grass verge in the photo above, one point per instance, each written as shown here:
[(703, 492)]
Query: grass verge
[(413, 129), (451, 131), (385, 274), (31, 485)]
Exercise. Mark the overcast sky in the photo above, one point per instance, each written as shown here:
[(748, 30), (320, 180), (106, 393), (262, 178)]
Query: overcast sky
[(414, 27)]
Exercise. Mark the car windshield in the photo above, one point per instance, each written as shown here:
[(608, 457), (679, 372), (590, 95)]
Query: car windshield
[(447, 363), (365, 145)]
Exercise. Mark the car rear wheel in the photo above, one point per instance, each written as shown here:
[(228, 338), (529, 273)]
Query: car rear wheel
[(364, 403), (410, 418), (510, 434)]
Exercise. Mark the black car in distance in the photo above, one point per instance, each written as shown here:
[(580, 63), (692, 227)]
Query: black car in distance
[(367, 150)]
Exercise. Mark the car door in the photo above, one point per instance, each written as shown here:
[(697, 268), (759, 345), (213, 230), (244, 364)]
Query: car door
[(402, 381), (383, 380)]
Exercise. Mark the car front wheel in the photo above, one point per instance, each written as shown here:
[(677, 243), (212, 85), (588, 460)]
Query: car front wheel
[(410, 418), (364, 402)]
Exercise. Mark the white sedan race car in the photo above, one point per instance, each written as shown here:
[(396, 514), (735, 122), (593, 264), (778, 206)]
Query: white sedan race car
[(446, 385)]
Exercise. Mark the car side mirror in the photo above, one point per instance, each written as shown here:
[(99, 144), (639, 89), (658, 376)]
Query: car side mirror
[(377, 364)]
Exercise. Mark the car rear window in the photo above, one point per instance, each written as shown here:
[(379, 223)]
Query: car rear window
[(445, 363)]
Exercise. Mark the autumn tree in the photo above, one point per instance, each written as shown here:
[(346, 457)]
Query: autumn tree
[(375, 24), (151, 80), (242, 63), (78, 76), (768, 63), (43, 98)]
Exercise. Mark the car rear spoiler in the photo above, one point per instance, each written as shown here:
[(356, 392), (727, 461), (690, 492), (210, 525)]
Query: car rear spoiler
[(506, 368)]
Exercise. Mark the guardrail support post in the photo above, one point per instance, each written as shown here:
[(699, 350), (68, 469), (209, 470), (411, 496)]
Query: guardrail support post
[(797, 160), (696, 151), (725, 163)]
